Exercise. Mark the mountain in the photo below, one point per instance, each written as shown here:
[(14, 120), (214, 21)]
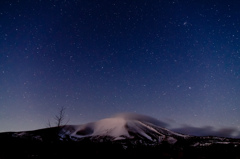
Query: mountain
[(137, 128), (127, 135)]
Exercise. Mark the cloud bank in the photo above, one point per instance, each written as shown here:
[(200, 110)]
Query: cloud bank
[(208, 131)]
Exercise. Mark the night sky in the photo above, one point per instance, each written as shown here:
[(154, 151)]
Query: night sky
[(175, 60)]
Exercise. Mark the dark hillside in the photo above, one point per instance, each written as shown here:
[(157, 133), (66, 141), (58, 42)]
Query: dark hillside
[(30, 147)]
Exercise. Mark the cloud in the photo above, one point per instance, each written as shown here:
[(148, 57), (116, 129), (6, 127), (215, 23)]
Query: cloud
[(208, 131), (140, 117)]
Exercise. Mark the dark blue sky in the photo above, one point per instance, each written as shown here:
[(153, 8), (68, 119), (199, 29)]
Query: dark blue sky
[(176, 61)]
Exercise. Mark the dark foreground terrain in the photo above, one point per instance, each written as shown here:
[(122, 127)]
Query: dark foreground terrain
[(45, 144)]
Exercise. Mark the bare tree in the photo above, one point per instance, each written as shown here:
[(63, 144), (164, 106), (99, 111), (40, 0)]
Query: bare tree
[(59, 118), (49, 124)]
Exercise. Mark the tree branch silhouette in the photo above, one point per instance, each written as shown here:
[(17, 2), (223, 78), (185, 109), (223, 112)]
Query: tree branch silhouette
[(59, 118)]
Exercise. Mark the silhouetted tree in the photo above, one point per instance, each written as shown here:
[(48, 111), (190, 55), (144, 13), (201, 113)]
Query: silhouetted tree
[(59, 118)]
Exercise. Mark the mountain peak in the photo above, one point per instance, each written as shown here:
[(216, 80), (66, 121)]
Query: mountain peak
[(122, 126)]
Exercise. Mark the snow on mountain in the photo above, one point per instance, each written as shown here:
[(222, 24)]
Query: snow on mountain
[(113, 127), (124, 126)]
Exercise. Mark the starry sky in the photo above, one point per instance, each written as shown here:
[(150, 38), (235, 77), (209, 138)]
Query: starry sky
[(174, 60)]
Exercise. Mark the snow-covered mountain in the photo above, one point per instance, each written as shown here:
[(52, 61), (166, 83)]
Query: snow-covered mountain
[(128, 135), (122, 127)]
